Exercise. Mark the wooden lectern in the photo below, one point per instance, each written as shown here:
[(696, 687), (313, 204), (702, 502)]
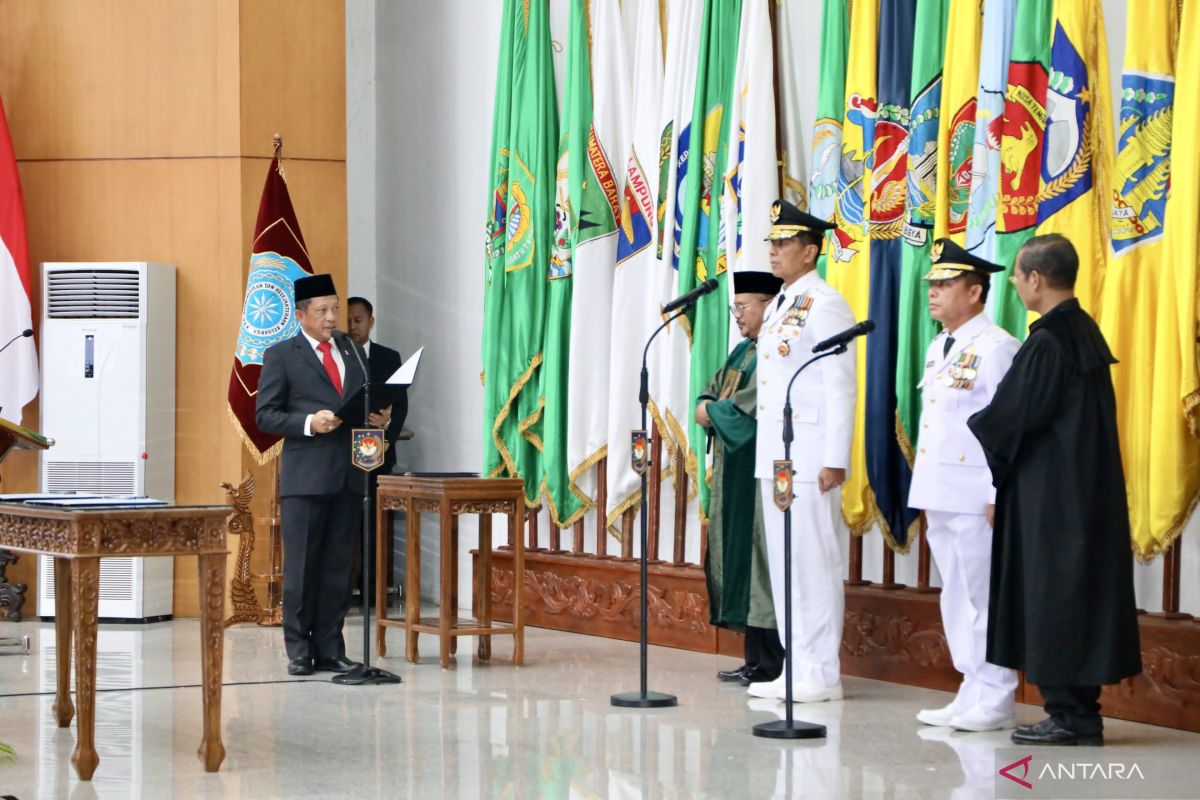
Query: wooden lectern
[(12, 595)]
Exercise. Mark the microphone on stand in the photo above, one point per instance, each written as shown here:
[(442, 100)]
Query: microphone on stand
[(685, 300), (25, 334), (837, 340)]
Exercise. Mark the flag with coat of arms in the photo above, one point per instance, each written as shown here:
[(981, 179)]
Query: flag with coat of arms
[(636, 280), (278, 258)]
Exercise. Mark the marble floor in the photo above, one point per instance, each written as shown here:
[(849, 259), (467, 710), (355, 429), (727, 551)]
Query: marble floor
[(487, 730)]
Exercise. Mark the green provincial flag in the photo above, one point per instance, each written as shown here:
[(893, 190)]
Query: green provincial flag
[(520, 228), (700, 257)]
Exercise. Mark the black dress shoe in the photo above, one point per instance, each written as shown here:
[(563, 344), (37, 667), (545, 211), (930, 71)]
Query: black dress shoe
[(757, 674), (1051, 731), (734, 675), (1037, 728), (338, 664), (300, 666)]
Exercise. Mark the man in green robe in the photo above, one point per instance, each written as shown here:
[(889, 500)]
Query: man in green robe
[(739, 584)]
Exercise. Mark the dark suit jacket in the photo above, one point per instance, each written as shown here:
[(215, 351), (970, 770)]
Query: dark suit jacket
[(383, 362), (293, 384)]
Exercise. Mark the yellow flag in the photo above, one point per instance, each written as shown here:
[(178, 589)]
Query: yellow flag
[(1075, 194), (1133, 280), (1174, 457), (956, 135), (848, 268)]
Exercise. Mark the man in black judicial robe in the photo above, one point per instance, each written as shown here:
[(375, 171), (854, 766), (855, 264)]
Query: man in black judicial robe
[(1061, 606)]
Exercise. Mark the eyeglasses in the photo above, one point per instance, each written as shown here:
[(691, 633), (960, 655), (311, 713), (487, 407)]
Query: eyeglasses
[(737, 309)]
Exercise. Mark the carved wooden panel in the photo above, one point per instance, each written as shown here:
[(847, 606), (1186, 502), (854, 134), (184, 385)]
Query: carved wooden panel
[(603, 598)]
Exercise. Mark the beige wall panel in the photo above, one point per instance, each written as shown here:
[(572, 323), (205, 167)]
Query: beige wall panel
[(293, 57), (120, 78)]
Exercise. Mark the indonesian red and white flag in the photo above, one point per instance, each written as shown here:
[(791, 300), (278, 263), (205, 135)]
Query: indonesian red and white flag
[(18, 363)]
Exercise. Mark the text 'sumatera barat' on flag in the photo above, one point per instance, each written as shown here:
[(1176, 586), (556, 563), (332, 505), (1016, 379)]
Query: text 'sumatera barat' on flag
[(278, 259), (18, 364)]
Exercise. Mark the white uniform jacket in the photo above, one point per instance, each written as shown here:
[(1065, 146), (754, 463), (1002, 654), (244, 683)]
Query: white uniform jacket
[(822, 397), (951, 473)]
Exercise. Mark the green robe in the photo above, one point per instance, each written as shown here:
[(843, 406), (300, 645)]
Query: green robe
[(735, 565)]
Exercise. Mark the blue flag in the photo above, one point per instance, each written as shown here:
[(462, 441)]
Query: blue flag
[(887, 469)]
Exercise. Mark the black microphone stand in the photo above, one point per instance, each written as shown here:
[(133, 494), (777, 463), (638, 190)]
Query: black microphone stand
[(25, 334), (789, 727), (365, 674), (645, 698)]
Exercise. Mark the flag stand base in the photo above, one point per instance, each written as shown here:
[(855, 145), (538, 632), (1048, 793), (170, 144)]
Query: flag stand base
[(646, 700)]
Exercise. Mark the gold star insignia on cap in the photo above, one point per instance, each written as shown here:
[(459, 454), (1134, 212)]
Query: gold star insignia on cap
[(936, 253)]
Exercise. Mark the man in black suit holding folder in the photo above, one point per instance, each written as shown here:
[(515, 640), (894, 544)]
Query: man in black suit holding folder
[(320, 492)]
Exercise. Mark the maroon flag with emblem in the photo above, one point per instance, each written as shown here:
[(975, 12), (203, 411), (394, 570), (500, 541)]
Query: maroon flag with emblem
[(277, 259)]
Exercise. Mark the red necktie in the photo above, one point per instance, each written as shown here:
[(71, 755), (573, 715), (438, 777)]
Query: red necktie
[(330, 365)]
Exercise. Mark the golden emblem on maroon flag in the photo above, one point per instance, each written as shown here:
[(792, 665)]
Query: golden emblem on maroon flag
[(367, 448), (639, 452), (783, 484)]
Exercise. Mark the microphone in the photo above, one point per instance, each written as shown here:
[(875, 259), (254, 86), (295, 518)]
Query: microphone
[(846, 336), (25, 334), (685, 300)]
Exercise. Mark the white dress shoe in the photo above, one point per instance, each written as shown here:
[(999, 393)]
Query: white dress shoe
[(767, 704), (980, 719), (940, 717), (813, 694), (772, 690)]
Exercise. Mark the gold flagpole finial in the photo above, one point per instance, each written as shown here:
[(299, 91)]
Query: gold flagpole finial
[(279, 155)]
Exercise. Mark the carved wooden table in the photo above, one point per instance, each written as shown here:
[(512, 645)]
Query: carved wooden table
[(78, 539), (449, 497)]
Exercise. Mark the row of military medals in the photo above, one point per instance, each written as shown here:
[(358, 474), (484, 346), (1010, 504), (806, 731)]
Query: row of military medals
[(962, 373), (797, 315)]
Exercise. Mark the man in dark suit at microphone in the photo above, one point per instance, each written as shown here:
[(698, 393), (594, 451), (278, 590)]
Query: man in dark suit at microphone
[(302, 380)]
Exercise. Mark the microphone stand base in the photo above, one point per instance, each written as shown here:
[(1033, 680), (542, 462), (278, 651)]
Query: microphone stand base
[(782, 729), (366, 676), (647, 700)]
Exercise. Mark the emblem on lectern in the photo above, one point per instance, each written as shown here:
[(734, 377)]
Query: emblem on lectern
[(367, 446), (783, 484), (639, 452)]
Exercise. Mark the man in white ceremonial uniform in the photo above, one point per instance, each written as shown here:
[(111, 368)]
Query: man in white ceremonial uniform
[(952, 484), (807, 311)]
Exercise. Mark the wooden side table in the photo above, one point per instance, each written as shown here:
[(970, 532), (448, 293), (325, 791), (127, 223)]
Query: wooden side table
[(449, 497), (78, 539)]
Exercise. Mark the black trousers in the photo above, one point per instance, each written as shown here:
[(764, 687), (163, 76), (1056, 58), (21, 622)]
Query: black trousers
[(318, 545), (764, 649), (1074, 707)]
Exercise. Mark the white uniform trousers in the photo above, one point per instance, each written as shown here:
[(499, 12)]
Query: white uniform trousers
[(961, 545), (818, 593)]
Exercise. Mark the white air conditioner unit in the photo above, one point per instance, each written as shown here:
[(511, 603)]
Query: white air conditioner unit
[(108, 401)]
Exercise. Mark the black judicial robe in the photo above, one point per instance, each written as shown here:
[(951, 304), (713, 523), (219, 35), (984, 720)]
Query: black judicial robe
[(1062, 604)]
